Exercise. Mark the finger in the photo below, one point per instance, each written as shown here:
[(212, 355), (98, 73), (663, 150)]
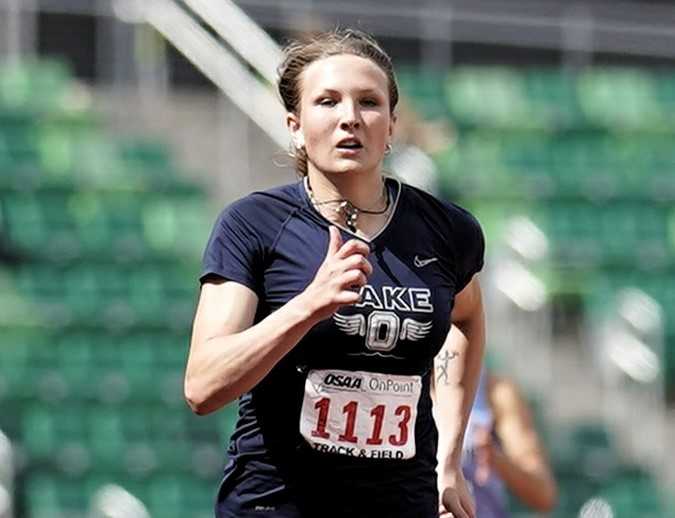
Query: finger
[(353, 246), (455, 508), (468, 506), (334, 241), (357, 261), (455, 513), (353, 279), (347, 297)]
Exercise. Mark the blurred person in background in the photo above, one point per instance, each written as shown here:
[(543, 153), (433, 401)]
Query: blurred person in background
[(503, 453), (323, 304)]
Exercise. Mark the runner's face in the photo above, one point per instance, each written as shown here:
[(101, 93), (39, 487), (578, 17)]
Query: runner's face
[(344, 120)]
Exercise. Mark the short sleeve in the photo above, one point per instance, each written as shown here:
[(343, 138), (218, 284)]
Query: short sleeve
[(471, 247), (234, 250)]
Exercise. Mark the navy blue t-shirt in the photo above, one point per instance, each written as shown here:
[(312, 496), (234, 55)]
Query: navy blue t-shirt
[(342, 425)]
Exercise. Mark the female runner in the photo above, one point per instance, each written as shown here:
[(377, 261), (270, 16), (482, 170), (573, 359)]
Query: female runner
[(323, 304)]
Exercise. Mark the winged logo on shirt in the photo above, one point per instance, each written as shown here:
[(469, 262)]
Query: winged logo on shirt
[(351, 324), (411, 329)]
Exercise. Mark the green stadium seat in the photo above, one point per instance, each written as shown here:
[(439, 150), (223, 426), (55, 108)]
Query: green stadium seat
[(145, 154), (573, 490), (23, 226), (167, 495), (16, 121), (490, 98), (227, 420), (425, 91), (42, 497), (37, 224), (36, 85), (176, 226), (105, 437), (179, 496), (39, 437), (620, 99), (552, 93), (58, 151), (633, 492)]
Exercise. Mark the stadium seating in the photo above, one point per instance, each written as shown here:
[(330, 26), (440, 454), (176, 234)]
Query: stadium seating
[(100, 240), (588, 157)]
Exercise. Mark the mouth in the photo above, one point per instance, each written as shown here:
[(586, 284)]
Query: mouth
[(349, 144)]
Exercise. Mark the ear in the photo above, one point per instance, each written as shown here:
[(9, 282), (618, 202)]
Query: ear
[(293, 125)]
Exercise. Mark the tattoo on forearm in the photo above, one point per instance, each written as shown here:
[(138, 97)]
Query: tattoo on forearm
[(442, 366)]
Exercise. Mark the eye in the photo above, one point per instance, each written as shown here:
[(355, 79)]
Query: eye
[(326, 101), (370, 102)]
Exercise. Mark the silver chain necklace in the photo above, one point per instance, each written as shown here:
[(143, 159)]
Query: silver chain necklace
[(348, 209)]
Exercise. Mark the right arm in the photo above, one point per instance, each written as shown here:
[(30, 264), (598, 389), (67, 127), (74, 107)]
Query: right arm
[(229, 356)]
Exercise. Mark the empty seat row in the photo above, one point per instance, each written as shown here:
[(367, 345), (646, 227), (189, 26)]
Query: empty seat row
[(165, 495), (38, 85), (107, 296), (583, 165), (117, 225), (590, 235), (93, 366), (616, 99)]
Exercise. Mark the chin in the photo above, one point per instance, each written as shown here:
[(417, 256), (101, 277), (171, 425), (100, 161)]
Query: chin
[(350, 170), (341, 168), (354, 166), (345, 167)]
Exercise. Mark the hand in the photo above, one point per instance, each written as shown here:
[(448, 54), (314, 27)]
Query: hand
[(455, 500), (484, 453), (340, 277)]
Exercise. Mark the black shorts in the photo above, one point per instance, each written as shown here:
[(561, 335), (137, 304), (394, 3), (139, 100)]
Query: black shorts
[(360, 505)]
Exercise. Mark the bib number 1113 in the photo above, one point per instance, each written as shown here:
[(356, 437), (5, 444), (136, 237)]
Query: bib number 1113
[(350, 412)]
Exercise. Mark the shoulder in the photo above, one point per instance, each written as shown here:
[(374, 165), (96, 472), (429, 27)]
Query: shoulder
[(271, 203), (443, 212), (505, 396), (263, 211), (260, 216)]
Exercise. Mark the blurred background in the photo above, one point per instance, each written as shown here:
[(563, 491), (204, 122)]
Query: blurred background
[(125, 126)]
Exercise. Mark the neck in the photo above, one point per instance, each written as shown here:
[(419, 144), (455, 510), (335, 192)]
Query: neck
[(363, 190)]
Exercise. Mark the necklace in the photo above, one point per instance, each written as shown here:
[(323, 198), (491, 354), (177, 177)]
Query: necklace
[(348, 209)]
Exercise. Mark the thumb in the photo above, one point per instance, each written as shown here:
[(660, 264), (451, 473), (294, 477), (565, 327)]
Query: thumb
[(334, 241)]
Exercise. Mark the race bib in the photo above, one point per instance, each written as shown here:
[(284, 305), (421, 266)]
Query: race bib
[(361, 414)]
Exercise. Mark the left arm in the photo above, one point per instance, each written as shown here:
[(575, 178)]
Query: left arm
[(456, 374), (523, 464)]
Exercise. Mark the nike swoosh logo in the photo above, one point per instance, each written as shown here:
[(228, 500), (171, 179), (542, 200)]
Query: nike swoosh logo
[(420, 263)]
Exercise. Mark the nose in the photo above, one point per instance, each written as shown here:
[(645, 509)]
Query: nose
[(350, 116)]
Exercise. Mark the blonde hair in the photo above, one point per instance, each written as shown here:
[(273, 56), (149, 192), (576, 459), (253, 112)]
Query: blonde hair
[(299, 54)]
